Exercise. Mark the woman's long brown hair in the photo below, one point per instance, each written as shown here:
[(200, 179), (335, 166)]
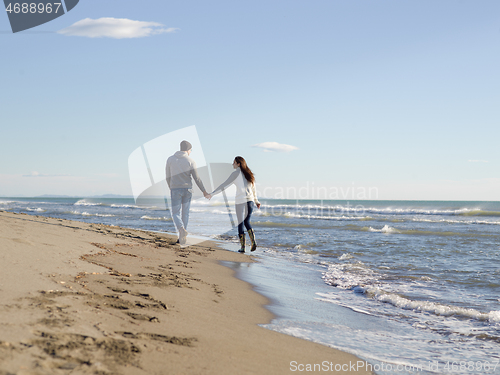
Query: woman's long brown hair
[(244, 168)]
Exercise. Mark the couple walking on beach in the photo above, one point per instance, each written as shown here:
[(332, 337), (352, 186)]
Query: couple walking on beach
[(181, 170)]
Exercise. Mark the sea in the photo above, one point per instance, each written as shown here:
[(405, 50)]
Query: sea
[(410, 287)]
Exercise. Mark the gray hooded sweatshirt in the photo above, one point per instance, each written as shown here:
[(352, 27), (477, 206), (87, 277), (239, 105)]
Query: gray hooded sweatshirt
[(179, 170)]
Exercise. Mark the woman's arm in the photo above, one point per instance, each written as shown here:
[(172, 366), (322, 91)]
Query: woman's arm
[(254, 190), (232, 177)]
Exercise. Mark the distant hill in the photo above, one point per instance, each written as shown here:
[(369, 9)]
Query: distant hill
[(52, 196), (111, 196), (90, 196)]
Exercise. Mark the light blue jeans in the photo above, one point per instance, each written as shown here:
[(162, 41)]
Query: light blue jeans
[(181, 198)]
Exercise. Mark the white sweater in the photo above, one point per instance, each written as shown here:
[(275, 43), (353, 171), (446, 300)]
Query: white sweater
[(245, 191)]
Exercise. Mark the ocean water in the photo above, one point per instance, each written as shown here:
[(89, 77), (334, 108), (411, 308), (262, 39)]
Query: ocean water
[(409, 286)]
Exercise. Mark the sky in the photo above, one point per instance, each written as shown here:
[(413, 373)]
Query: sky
[(362, 99)]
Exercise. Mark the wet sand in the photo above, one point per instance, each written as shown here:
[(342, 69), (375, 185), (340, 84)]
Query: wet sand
[(80, 298)]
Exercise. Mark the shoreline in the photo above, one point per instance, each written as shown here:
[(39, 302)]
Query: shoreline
[(98, 299)]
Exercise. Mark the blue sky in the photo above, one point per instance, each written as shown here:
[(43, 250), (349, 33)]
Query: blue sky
[(401, 96)]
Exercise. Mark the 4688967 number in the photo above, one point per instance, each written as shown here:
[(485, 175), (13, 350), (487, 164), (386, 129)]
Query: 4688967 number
[(33, 8)]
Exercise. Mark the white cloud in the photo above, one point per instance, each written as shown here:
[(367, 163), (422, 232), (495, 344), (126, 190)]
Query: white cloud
[(36, 174), (478, 161), (275, 146), (116, 28)]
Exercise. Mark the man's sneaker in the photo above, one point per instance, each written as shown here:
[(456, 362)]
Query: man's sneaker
[(183, 236)]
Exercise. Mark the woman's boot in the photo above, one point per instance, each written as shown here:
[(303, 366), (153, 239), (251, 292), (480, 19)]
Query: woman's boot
[(251, 234), (242, 242)]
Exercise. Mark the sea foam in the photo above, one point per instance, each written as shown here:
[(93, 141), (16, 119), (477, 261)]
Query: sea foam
[(146, 217), (35, 209), (83, 202), (430, 307), (385, 229)]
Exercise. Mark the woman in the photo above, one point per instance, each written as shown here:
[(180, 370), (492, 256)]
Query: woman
[(246, 198)]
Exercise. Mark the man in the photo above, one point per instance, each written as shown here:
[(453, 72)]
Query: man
[(179, 171)]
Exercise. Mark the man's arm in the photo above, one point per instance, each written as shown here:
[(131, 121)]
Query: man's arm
[(168, 174), (197, 179)]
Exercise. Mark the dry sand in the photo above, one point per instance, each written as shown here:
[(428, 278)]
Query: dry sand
[(81, 298)]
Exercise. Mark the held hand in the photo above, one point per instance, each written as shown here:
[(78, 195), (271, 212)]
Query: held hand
[(258, 205), (206, 195)]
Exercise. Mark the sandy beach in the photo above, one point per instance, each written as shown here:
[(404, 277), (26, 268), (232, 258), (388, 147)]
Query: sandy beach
[(82, 298)]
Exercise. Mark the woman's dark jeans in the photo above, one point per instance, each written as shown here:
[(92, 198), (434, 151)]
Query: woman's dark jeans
[(243, 213)]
